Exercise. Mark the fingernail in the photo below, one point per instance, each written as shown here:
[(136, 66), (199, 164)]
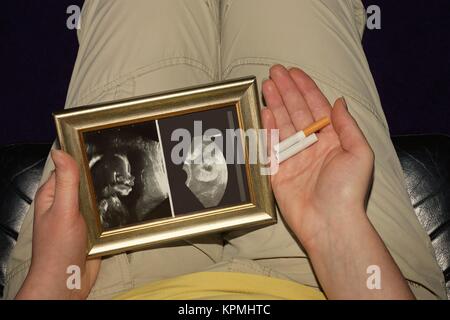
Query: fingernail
[(56, 155), (344, 102), (267, 87)]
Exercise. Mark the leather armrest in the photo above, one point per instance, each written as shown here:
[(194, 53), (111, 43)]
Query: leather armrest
[(426, 165), (22, 167)]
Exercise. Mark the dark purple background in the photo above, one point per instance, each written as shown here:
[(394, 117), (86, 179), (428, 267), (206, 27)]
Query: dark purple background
[(409, 57), (410, 61)]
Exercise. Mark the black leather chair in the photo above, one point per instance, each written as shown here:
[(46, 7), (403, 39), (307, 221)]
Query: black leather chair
[(425, 160)]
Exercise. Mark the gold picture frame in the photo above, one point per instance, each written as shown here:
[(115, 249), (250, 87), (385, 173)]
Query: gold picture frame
[(88, 133)]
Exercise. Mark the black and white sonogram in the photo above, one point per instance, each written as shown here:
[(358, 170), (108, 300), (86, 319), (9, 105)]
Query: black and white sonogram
[(128, 174), (135, 179), (204, 179), (206, 171)]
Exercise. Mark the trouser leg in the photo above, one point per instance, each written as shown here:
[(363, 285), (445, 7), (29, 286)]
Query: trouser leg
[(132, 48), (323, 37)]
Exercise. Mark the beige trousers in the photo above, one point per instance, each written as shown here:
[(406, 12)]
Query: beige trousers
[(130, 48)]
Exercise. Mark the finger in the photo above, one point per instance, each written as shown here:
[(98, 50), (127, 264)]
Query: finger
[(318, 104), (269, 124), (66, 183), (295, 104), (275, 104), (45, 196), (350, 135)]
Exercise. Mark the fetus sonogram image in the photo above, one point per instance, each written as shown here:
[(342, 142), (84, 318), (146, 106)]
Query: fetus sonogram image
[(205, 179), (128, 174)]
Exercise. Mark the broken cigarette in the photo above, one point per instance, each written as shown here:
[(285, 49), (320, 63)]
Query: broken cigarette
[(296, 148), (299, 136)]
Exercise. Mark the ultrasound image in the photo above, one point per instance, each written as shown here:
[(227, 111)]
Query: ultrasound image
[(128, 175), (135, 180)]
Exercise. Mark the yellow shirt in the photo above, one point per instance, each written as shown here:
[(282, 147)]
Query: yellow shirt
[(223, 286)]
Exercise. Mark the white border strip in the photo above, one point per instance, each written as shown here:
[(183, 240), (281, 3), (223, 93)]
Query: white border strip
[(165, 168)]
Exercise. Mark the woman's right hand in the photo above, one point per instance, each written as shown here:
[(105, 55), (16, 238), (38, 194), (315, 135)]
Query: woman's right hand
[(59, 238)]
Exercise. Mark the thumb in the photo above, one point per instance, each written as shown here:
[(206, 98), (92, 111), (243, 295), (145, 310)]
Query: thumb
[(350, 135), (45, 196), (67, 182)]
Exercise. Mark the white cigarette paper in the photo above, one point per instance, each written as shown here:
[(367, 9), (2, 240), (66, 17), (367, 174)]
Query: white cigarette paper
[(296, 148), (283, 145)]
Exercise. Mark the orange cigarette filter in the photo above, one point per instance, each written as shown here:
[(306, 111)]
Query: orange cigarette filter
[(316, 126), (299, 136)]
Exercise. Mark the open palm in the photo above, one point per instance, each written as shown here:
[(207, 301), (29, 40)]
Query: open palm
[(321, 187)]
